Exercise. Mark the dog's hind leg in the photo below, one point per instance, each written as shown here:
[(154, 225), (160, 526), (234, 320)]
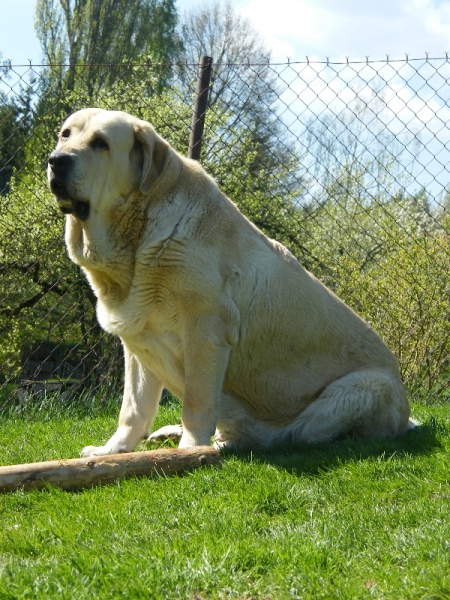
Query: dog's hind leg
[(237, 428), (169, 432), (368, 404)]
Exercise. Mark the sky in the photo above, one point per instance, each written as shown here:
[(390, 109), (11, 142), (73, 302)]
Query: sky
[(334, 30), (293, 29)]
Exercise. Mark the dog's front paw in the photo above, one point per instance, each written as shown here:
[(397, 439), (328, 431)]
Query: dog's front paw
[(189, 440)]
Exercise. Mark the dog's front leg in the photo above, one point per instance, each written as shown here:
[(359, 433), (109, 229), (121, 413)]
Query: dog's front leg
[(142, 392), (206, 361)]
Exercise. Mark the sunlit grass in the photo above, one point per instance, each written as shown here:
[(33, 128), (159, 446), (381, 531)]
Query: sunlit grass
[(342, 520)]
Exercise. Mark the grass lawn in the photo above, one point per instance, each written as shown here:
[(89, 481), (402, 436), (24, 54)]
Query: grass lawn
[(343, 520)]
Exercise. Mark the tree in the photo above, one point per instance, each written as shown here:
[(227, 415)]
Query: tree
[(243, 97), (89, 33), (242, 80), (217, 30)]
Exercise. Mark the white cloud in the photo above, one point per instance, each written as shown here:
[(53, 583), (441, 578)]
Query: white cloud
[(434, 15), (351, 28), (285, 18), (285, 22)]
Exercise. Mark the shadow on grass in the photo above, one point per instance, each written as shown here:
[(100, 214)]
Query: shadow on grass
[(312, 459)]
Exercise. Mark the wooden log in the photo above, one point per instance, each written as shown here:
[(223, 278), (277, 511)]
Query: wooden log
[(78, 473)]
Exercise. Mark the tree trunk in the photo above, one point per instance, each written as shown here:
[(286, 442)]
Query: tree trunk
[(77, 473)]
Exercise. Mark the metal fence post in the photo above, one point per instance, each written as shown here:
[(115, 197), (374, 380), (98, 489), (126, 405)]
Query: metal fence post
[(198, 116)]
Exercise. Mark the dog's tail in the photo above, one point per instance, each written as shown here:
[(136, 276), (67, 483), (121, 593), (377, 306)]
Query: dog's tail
[(412, 424)]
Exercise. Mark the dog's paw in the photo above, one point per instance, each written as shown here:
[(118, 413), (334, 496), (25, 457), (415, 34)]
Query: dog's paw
[(190, 440), (220, 445), (169, 432), (95, 451)]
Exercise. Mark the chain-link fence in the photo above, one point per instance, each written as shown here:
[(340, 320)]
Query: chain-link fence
[(345, 163)]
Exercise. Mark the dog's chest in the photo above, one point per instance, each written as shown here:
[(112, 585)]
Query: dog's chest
[(162, 354), (149, 327), (146, 309)]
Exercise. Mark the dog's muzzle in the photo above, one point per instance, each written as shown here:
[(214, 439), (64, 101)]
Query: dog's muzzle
[(59, 167)]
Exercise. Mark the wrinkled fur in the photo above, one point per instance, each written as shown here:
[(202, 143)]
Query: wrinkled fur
[(257, 349)]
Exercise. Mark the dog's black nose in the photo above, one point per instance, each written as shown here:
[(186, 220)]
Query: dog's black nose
[(60, 161)]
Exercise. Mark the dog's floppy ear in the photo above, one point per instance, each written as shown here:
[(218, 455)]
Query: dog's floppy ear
[(155, 153)]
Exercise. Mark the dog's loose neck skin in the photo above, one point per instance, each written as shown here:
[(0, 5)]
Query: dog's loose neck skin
[(106, 249)]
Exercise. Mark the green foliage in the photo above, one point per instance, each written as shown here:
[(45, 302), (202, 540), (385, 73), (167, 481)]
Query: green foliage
[(380, 246), (11, 143), (39, 285), (393, 276), (266, 194)]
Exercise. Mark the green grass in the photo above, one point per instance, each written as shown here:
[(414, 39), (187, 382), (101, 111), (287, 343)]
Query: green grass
[(343, 520)]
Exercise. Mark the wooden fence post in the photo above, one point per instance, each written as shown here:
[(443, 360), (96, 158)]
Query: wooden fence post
[(201, 102)]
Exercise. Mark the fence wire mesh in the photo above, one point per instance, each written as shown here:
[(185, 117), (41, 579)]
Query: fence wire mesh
[(346, 163)]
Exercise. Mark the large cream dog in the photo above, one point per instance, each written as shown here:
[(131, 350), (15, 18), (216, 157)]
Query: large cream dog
[(257, 349)]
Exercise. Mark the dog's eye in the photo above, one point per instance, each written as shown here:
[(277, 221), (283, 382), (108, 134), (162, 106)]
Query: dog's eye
[(99, 143), (65, 134)]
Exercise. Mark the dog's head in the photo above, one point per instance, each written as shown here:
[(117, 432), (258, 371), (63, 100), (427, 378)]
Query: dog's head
[(101, 158)]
